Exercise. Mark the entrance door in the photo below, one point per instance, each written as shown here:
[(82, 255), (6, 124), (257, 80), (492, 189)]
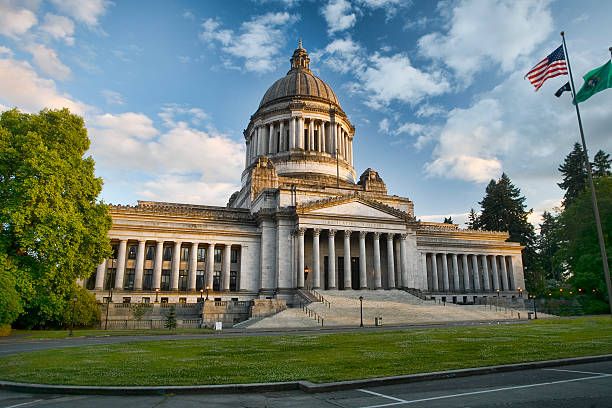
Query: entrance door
[(355, 272)]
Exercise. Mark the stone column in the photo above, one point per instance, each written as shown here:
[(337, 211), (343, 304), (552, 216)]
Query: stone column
[(176, 263), (100, 273), (495, 273), (475, 273), (300, 271), (331, 259), (347, 260), (434, 271), (120, 271), (311, 137), (445, 280), (292, 133), (316, 266), (351, 151), (424, 271), (246, 154), (301, 133), (455, 272), (332, 138), (210, 264), (272, 140), (281, 139), (466, 273), (504, 275), (323, 142), (511, 280), (159, 253), (363, 277), (485, 273), (377, 271), (193, 266), (390, 262), (398, 264), (140, 254), (227, 260), (403, 259)]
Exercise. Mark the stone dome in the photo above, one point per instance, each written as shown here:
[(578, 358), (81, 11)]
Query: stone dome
[(300, 81)]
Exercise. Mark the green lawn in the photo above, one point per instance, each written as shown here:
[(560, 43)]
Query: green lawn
[(318, 358), (60, 334)]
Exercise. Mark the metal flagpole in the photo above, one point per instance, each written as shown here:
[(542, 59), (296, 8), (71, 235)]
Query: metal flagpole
[(602, 245)]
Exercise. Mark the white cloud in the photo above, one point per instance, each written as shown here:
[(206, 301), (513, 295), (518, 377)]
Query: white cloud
[(342, 55), (258, 42), (338, 15), (84, 11), (22, 87), (5, 50), (383, 126), (48, 62), (58, 28), (188, 15), (15, 21), (482, 32), (182, 189), (426, 110), (112, 97)]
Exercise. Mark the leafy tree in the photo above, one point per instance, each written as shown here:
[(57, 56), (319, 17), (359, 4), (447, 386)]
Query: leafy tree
[(87, 311), (579, 248), (448, 220), (53, 226), (170, 322), (548, 245), (503, 209), (601, 164), (10, 301), (574, 175), (139, 310), (472, 220)]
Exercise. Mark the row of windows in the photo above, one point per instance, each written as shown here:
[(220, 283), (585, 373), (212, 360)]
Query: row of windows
[(167, 253)]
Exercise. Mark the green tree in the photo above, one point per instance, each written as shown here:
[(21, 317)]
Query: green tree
[(574, 175), (601, 164), (10, 301), (54, 227), (170, 322), (87, 311), (579, 248), (472, 222), (448, 220), (548, 245)]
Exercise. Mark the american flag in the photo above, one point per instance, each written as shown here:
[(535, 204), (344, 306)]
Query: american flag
[(551, 66)]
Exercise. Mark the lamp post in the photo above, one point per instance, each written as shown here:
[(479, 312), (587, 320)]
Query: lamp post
[(156, 295), (201, 294), (207, 289), (520, 292), (535, 310), (110, 299), (74, 299), (361, 310)]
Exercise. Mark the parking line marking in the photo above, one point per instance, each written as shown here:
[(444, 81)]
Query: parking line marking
[(23, 403), (382, 395), (574, 371), (487, 391)]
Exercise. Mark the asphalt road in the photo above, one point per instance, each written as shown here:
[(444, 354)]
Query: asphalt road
[(584, 385)]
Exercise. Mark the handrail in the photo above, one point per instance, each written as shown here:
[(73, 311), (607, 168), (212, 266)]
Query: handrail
[(319, 297), (312, 313)]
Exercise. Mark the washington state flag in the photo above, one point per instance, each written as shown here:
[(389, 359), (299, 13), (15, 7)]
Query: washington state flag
[(595, 81)]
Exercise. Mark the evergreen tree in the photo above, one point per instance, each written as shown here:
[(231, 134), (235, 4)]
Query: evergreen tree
[(448, 220), (601, 164), (472, 220), (574, 175), (170, 322), (548, 245)]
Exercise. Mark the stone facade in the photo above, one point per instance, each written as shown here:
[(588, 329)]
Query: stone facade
[(299, 220)]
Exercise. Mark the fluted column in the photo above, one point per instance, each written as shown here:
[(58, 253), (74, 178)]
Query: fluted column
[(455, 272), (210, 264), (495, 273), (475, 273), (323, 142), (390, 262), (120, 272), (511, 280), (316, 256), (398, 264), (434, 272), (332, 138), (193, 266), (424, 271), (140, 253), (485, 273), (377, 271), (466, 273), (272, 141), (159, 249), (300, 271), (311, 137), (504, 275), (347, 260), (281, 139), (363, 277), (176, 263), (301, 133), (404, 259), (227, 259), (292, 133), (331, 259), (100, 272), (445, 280)]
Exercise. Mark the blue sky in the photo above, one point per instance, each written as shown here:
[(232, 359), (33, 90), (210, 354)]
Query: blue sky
[(434, 89)]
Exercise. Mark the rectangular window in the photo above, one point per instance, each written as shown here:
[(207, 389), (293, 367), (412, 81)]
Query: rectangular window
[(146, 300), (91, 281), (217, 281), (233, 280), (183, 301), (164, 300), (183, 280), (150, 254), (165, 279), (184, 254), (234, 255), (115, 249), (127, 300), (132, 252), (128, 282), (109, 282), (167, 253), (147, 279), (218, 255), (201, 254), (199, 279)]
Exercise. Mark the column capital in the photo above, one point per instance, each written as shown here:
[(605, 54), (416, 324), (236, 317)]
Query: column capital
[(403, 236), (142, 240), (332, 232), (316, 232), (123, 241), (347, 233), (390, 236), (362, 234), (301, 231), (376, 234)]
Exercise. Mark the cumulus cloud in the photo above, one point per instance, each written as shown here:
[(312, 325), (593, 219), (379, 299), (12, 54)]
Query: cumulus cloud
[(339, 15), (58, 28), (15, 20), (184, 189), (481, 32), (84, 11), (342, 55), (47, 61), (258, 41)]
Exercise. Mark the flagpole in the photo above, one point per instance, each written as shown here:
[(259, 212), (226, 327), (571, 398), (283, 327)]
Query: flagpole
[(602, 245)]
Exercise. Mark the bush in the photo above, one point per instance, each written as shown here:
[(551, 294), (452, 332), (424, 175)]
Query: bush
[(86, 310)]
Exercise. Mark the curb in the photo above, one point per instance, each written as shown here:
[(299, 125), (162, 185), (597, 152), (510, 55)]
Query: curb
[(305, 386)]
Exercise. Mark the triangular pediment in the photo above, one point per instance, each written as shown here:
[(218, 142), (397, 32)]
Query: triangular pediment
[(353, 206)]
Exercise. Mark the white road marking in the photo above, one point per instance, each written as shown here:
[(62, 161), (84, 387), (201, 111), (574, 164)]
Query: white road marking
[(383, 395), (486, 391), (574, 371), (23, 403)]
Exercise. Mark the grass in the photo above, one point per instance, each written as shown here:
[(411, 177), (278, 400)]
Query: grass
[(318, 358), (60, 334)]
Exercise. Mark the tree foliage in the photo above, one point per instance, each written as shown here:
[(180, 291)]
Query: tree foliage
[(10, 302), (548, 245), (53, 226), (448, 220), (574, 174), (601, 164), (171, 322), (472, 222)]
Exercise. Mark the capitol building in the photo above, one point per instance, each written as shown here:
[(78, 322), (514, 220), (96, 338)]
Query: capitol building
[(302, 219)]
